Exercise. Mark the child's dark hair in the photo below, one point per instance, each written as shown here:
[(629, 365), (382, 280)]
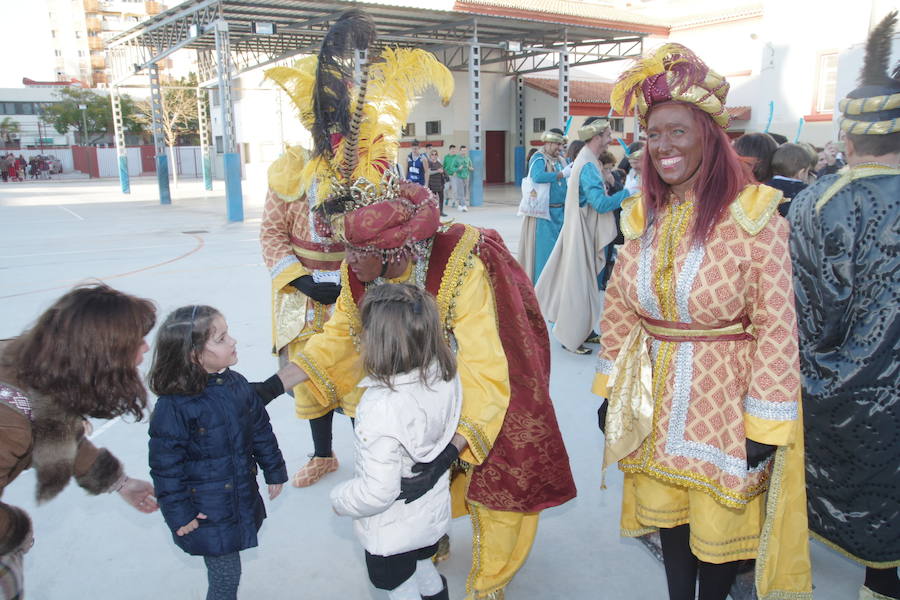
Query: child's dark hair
[(180, 340), (402, 333)]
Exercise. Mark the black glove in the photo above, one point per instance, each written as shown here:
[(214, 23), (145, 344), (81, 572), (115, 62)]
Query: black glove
[(413, 488), (323, 293), (269, 389), (757, 453), (601, 415)]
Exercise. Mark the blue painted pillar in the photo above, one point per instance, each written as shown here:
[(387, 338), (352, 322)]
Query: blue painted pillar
[(123, 174), (519, 160), (162, 178), (476, 178), (233, 193)]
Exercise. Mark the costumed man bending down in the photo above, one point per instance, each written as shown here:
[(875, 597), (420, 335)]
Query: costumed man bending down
[(305, 271), (515, 463), (844, 240)]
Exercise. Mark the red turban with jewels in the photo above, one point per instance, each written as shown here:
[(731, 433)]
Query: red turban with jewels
[(411, 217)]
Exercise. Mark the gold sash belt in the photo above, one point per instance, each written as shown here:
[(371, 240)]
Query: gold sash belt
[(629, 416)]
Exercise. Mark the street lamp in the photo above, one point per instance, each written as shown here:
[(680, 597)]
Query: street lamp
[(83, 108)]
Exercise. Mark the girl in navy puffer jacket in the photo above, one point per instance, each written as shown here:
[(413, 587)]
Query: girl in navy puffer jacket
[(208, 432)]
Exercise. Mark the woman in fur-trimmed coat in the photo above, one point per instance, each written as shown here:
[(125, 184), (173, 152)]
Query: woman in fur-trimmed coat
[(78, 360)]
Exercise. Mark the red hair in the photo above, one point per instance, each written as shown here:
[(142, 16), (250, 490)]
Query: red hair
[(721, 178)]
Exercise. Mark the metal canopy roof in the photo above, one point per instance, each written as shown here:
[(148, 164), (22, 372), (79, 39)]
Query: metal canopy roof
[(302, 25)]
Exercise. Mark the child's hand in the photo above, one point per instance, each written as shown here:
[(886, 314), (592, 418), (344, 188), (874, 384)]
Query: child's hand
[(190, 526), (274, 490)]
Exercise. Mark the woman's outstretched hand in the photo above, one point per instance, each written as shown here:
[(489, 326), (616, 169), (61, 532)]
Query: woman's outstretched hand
[(139, 494)]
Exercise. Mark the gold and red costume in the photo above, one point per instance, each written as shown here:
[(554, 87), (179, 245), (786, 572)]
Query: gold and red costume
[(292, 248), (699, 353), (518, 462)]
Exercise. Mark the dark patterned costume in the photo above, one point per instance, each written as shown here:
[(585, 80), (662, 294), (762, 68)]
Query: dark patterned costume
[(845, 244)]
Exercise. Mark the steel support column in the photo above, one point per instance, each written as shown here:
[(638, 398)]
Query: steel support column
[(563, 87), (476, 177), (519, 154), (159, 138), (121, 150), (203, 125), (231, 159)]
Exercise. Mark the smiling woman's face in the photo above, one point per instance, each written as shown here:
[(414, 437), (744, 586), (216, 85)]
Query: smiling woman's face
[(673, 140)]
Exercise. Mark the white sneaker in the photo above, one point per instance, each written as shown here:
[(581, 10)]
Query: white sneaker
[(464, 208)]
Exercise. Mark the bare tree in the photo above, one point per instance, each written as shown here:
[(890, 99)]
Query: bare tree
[(179, 116)]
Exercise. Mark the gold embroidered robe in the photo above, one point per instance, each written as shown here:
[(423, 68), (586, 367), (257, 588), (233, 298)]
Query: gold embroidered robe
[(291, 249), (709, 396)]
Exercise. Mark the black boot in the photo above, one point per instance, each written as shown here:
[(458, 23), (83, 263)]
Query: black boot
[(444, 594)]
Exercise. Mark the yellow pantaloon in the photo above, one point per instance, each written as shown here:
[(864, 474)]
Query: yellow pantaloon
[(501, 541)]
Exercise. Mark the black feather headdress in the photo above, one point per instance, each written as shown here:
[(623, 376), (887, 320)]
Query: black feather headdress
[(354, 30), (874, 107)]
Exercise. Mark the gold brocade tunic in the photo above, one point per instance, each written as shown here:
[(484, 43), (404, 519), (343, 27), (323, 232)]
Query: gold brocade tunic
[(710, 395)]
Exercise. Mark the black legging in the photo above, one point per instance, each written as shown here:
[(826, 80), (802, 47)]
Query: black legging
[(883, 581), (321, 434), (682, 568)]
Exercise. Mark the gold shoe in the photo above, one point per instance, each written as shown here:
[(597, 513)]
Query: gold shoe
[(499, 594), (594, 339), (867, 594), (580, 350), (314, 470), (443, 550)]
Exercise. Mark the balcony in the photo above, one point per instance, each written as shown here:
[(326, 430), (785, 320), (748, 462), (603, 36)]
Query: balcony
[(93, 24), (152, 7), (98, 61), (96, 43)]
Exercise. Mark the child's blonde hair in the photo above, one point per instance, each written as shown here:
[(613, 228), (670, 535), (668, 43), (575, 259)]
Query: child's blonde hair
[(402, 333)]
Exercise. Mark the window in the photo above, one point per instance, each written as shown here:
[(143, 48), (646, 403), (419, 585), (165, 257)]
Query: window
[(77, 35), (826, 80), (57, 52), (539, 125), (53, 33), (432, 127), (409, 130), (617, 125), (220, 145)]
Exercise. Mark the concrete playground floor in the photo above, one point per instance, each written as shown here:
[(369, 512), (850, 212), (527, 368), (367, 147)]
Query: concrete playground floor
[(56, 234)]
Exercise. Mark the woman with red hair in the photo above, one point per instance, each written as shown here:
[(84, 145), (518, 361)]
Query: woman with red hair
[(698, 355)]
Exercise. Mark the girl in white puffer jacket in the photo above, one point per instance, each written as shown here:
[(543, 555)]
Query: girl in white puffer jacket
[(407, 415)]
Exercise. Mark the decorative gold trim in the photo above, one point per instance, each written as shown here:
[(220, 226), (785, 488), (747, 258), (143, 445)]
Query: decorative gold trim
[(498, 592), (736, 329), (854, 127), (354, 320), (482, 446), (634, 533), (868, 563), (742, 203), (858, 106), (316, 255), (852, 174), (319, 378), (459, 263), (475, 571)]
